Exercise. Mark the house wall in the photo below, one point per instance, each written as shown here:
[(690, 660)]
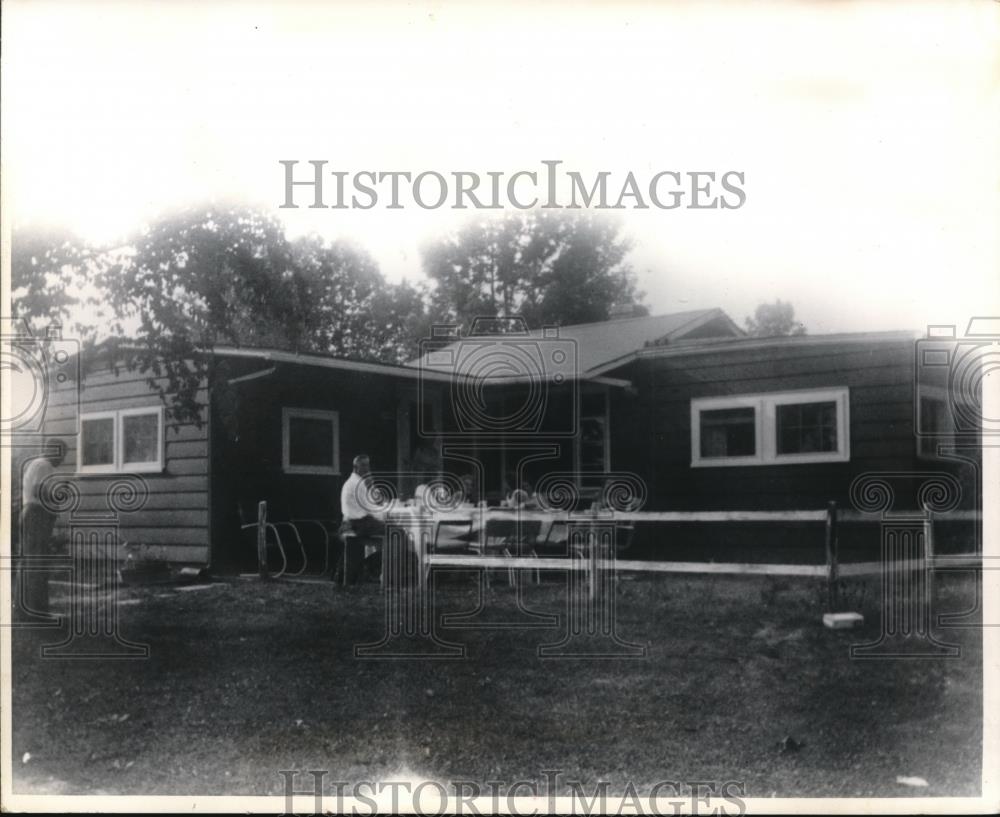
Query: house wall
[(190, 517), (247, 444), (656, 443), (172, 523)]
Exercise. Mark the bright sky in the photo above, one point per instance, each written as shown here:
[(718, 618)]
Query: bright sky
[(868, 133)]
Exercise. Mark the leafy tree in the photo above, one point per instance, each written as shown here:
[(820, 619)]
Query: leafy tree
[(352, 311), (229, 276), (770, 320), (550, 268), (49, 276), (193, 280), (399, 321)]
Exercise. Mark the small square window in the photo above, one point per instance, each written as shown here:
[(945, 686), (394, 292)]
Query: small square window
[(310, 441)]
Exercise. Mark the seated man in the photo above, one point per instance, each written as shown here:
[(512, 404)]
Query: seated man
[(362, 519)]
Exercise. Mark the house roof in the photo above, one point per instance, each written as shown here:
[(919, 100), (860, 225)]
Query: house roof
[(697, 346), (595, 345), (599, 350)]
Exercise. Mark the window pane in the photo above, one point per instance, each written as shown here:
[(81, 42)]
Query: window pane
[(98, 442), (310, 442), (728, 432), (807, 427), (141, 437)]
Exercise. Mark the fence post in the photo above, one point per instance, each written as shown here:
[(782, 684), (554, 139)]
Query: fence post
[(832, 600), (262, 539)]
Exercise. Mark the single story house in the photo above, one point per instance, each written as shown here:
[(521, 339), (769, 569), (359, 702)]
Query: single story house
[(704, 416)]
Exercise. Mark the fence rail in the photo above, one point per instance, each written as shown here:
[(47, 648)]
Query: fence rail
[(832, 570)]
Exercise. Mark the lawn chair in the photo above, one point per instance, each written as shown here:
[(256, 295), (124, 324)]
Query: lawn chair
[(556, 539), (327, 531), (287, 538), (510, 537), (453, 535)]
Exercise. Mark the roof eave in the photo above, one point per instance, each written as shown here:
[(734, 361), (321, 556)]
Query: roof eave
[(406, 372), (682, 347)]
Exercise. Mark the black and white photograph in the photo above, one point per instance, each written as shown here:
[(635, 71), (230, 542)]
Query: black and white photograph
[(531, 407)]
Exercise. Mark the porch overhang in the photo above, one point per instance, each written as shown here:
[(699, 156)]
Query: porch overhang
[(276, 356)]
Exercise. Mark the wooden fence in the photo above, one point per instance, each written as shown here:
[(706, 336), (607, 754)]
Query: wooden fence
[(832, 570)]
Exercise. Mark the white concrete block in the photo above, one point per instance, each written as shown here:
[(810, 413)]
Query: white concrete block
[(843, 621)]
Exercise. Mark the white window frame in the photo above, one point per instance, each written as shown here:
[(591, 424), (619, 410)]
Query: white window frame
[(118, 465), (289, 414), (766, 430), (700, 404)]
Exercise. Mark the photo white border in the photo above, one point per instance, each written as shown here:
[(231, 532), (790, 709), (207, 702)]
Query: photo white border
[(989, 802)]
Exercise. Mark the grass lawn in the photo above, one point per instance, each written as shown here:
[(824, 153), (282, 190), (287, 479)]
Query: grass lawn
[(247, 678)]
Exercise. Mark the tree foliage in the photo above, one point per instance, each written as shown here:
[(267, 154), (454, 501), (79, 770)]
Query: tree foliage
[(549, 268), (49, 275), (774, 319), (353, 312), (230, 276), (205, 277)]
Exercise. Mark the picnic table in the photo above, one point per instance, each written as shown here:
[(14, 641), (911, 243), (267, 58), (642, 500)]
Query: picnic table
[(493, 531), (472, 526)]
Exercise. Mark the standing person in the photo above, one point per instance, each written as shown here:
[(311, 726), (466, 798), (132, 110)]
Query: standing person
[(37, 521), (360, 518)]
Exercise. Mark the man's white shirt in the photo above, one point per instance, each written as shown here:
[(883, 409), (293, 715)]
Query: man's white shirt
[(356, 501)]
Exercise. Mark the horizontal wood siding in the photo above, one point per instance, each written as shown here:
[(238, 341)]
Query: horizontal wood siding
[(656, 443), (247, 445), (173, 523)]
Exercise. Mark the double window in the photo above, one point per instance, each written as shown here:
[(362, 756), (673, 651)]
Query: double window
[(772, 428), (124, 440), (310, 442)]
